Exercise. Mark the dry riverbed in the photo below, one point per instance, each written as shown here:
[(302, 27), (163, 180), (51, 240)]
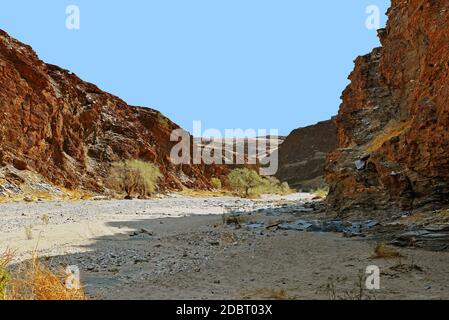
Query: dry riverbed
[(180, 247)]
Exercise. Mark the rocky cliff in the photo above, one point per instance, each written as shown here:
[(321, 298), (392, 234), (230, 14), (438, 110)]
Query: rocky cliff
[(302, 155), (69, 131), (393, 137)]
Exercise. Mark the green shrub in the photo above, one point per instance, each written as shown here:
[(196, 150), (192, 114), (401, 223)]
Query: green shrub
[(272, 185), (216, 183), (248, 183), (244, 181), (134, 177)]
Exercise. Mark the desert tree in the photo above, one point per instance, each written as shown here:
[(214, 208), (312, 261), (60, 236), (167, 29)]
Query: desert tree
[(244, 180), (134, 177)]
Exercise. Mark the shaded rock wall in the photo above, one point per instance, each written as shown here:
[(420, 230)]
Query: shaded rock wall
[(393, 137), (302, 155)]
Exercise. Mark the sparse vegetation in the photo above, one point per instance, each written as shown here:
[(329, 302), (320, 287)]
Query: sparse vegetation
[(383, 251), (321, 192), (230, 238), (249, 184), (244, 181), (34, 281), (134, 177), (45, 219), (337, 288), (266, 293), (205, 193), (234, 219), (274, 186), (28, 229), (163, 121), (35, 196), (5, 276), (216, 183)]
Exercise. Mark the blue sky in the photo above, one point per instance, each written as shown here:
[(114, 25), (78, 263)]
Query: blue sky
[(230, 63)]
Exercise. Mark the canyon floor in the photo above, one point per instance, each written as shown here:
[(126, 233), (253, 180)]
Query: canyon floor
[(181, 247)]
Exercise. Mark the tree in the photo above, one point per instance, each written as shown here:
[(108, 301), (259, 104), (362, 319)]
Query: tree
[(134, 177), (244, 180)]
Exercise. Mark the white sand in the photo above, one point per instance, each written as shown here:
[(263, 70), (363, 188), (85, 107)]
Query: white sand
[(186, 252)]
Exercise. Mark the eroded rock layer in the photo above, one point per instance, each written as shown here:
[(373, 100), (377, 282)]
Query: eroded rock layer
[(69, 131), (393, 137)]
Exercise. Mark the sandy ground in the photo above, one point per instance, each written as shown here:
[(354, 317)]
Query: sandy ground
[(179, 248)]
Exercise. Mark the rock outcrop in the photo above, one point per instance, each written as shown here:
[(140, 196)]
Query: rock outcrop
[(393, 137), (302, 156), (69, 131)]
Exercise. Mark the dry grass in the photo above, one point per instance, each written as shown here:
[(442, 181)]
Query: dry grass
[(45, 219), (76, 195), (5, 276), (35, 196), (38, 195), (35, 281), (237, 220), (383, 251), (321, 192), (391, 131), (265, 293), (340, 288), (28, 229), (231, 238), (205, 193)]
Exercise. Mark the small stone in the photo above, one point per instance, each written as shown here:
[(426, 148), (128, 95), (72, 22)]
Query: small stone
[(360, 165)]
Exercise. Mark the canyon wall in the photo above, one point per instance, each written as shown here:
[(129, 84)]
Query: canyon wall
[(69, 131), (302, 155), (393, 136)]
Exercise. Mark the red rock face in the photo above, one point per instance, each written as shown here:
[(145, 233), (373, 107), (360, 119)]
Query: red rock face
[(394, 118), (69, 131)]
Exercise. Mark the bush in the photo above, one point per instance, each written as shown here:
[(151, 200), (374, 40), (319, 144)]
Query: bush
[(244, 181), (249, 183), (134, 177), (216, 183)]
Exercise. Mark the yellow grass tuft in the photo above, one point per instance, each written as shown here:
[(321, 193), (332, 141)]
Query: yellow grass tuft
[(393, 130), (385, 252), (205, 193), (266, 293), (34, 281), (321, 192), (5, 260), (28, 229)]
